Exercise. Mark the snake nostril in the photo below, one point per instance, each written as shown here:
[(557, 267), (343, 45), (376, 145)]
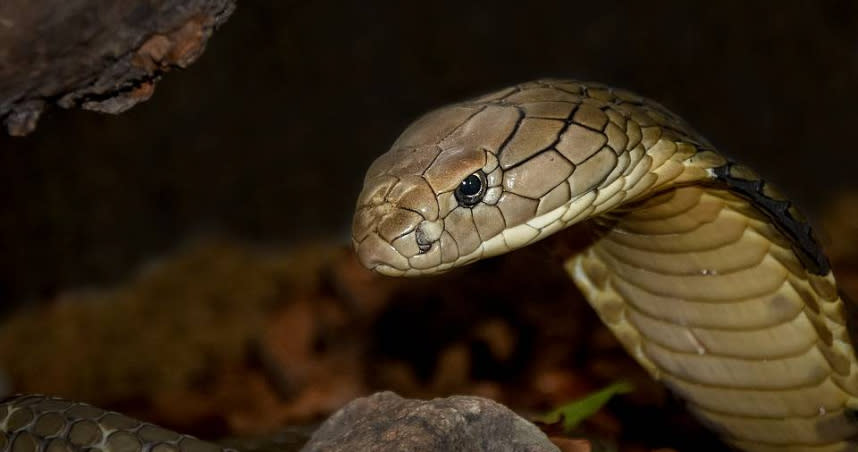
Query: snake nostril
[(426, 234), (424, 247), (424, 243)]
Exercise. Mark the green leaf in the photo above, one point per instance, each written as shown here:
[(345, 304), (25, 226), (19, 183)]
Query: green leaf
[(574, 412)]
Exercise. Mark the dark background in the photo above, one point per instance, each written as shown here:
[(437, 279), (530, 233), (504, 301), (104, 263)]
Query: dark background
[(267, 136)]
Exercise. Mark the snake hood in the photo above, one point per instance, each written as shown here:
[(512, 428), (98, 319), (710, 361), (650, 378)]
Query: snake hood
[(493, 174)]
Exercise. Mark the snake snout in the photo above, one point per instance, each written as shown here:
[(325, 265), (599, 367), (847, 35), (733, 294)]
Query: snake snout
[(396, 225), (376, 254), (387, 236)]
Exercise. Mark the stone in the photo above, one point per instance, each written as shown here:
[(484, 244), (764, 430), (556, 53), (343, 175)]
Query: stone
[(386, 422)]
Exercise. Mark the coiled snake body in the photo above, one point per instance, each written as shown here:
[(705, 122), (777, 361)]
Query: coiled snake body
[(712, 281)]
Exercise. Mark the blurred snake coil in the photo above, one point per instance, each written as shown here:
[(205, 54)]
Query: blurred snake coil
[(709, 277)]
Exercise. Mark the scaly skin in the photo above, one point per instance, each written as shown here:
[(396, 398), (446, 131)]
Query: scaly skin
[(711, 280), (36, 423)]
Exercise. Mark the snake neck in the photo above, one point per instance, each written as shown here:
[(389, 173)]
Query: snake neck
[(662, 153), (655, 152), (715, 284), (712, 298)]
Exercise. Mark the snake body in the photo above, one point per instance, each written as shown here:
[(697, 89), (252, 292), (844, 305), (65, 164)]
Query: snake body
[(709, 277), (37, 423)]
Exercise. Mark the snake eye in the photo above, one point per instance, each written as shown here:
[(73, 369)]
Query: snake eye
[(471, 190)]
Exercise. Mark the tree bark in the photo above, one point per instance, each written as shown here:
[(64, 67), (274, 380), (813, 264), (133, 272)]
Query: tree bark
[(102, 55)]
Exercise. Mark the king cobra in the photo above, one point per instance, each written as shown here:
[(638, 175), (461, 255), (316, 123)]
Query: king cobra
[(706, 274), (709, 278)]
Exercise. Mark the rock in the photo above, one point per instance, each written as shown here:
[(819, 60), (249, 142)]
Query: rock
[(386, 422), (101, 55)]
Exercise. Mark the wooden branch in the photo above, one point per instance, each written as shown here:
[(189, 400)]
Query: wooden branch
[(102, 55)]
